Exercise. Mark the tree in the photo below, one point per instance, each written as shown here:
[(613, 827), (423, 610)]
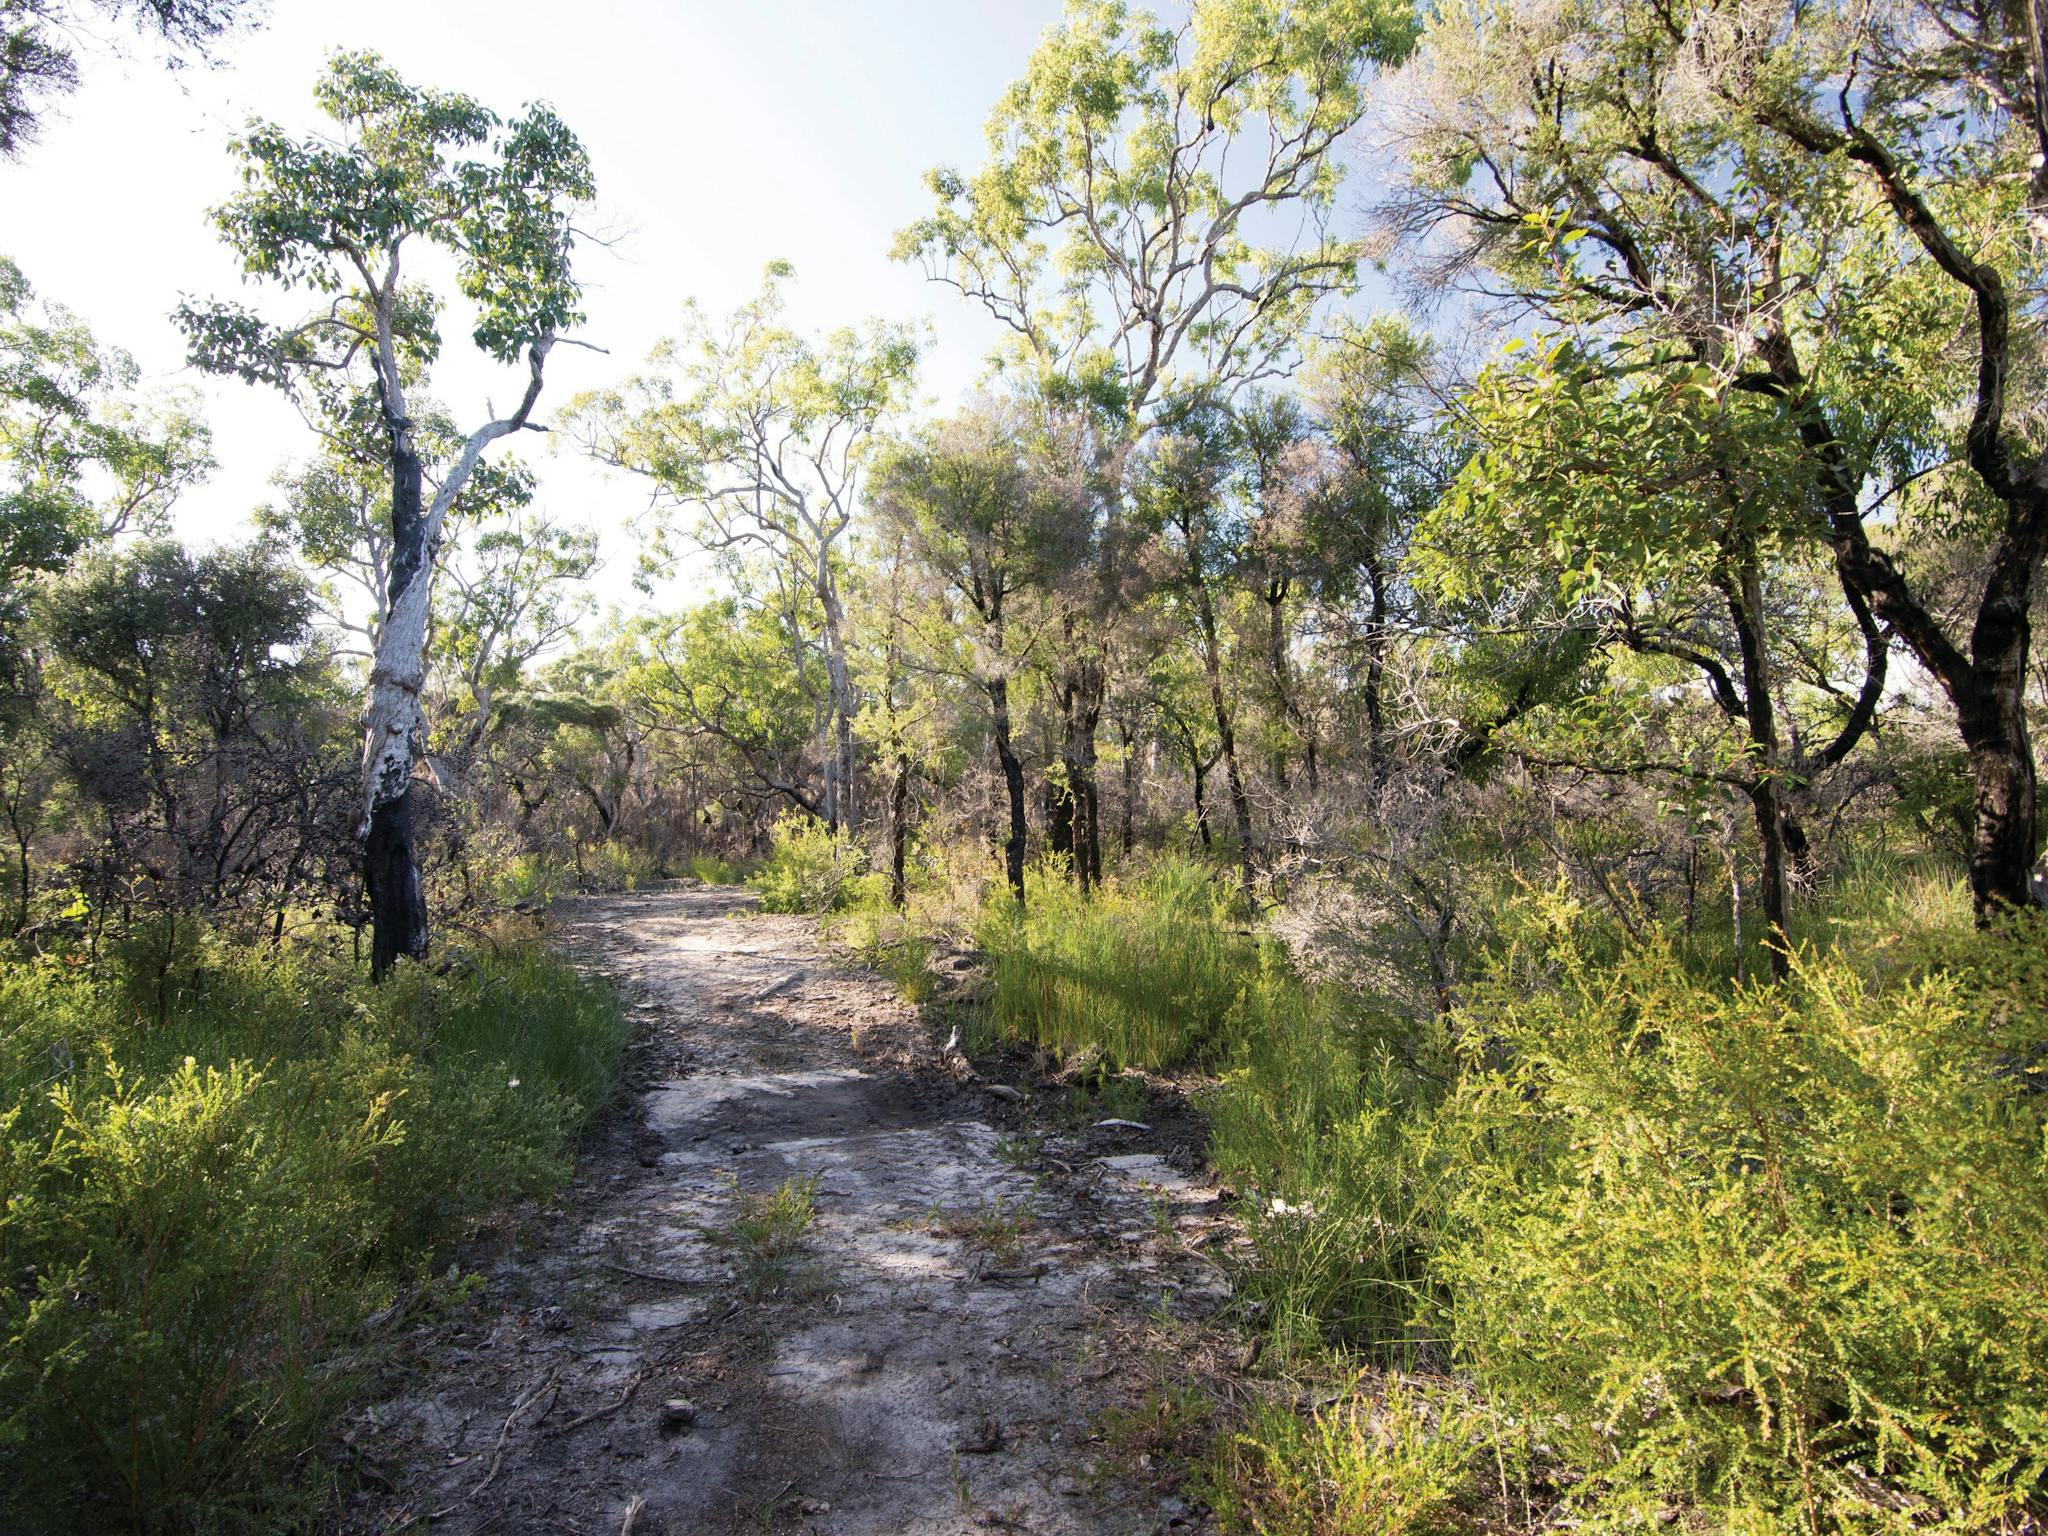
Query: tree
[(518, 589), (1656, 511), (987, 523), (1183, 487), (1155, 218), (1825, 207), (334, 512), (341, 217), (83, 457), (191, 710), (765, 434), (37, 62)]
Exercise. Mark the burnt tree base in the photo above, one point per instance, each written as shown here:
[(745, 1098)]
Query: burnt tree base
[(391, 876)]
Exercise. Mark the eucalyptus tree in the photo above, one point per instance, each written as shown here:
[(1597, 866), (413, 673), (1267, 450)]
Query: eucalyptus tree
[(1156, 215), (989, 522), (765, 434), (1825, 207), (333, 512), (406, 170)]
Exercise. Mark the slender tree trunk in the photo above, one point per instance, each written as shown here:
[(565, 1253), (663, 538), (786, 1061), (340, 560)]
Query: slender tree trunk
[(1013, 784), (1079, 750), (24, 873), (839, 798), (1212, 664), (899, 831), (1766, 790), (1375, 682), (1126, 734), (1276, 660)]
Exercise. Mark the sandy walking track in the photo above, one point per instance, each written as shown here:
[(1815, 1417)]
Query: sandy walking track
[(967, 1305)]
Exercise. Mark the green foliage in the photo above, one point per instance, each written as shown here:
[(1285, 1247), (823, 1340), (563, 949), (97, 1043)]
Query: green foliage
[(1395, 1463), (712, 869), (1772, 1252), (1107, 230), (83, 456), (810, 868), (198, 1213), (1152, 970), (326, 214)]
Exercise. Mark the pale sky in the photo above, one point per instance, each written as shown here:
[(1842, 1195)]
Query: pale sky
[(724, 135)]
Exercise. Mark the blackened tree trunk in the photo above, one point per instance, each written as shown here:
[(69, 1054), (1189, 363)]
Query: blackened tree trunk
[(1766, 789), (1013, 784), (899, 831), (1375, 681), (1985, 678), (1276, 662)]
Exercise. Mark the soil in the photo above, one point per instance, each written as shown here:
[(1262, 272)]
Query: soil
[(990, 1295)]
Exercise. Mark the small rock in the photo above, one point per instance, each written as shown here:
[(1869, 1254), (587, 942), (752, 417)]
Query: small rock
[(815, 1507), (678, 1413), (1004, 1092)]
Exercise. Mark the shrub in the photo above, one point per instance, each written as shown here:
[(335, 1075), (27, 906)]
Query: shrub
[(197, 1211), (1770, 1252), (810, 869)]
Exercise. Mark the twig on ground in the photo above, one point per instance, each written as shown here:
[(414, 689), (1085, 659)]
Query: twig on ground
[(505, 1433), (581, 1419)]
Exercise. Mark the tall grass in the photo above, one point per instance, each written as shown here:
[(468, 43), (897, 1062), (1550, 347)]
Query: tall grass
[(1154, 970), (198, 1210)]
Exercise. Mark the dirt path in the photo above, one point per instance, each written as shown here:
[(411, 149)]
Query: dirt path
[(967, 1303)]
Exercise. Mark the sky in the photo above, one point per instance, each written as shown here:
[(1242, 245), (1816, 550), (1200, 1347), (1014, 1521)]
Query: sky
[(724, 135)]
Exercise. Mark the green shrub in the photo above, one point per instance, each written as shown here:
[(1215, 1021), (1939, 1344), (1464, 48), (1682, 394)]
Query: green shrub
[(811, 869), (197, 1211), (1773, 1253)]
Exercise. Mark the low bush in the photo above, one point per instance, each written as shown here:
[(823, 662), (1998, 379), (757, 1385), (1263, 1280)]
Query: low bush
[(199, 1209), (1769, 1253), (811, 869)]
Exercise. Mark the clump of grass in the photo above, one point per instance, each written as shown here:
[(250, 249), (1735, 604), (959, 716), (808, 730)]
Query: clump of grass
[(1152, 970), (1399, 1462), (205, 1189), (767, 1235), (714, 869), (995, 1226), (811, 869), (884, 940)]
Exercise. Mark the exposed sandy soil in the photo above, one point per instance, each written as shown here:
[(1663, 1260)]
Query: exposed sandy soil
[(967, 1304)]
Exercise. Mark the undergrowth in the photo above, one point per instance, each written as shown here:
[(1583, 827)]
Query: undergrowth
[(1754, 1257), (200, 1207)]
